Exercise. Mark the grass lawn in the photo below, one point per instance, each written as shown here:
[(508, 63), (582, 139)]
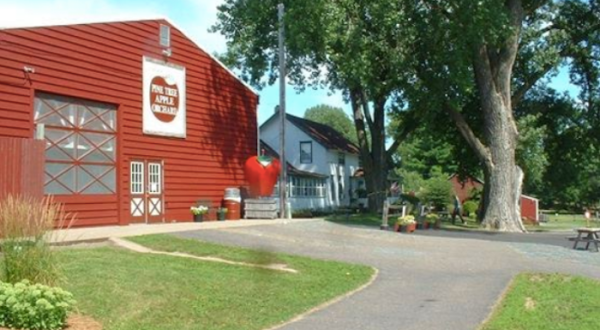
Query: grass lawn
[(565, 222), (548, 302), (560, 222), (127, 290)]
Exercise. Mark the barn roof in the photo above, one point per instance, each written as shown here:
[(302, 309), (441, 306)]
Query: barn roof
[(156, 19)]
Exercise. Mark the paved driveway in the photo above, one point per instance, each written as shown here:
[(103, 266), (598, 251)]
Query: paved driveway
[(425, 282)]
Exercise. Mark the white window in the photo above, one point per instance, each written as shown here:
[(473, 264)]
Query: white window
[(81, 144), (306, 152), (165, 35), (137, 177)]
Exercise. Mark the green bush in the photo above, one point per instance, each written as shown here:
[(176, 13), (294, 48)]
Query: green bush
[(431, 218), (302, 214), (26, 227), (438, 191), (470, 207), (34, 306)]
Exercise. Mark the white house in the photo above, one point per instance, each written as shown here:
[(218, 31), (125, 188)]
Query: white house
[(322, 163)]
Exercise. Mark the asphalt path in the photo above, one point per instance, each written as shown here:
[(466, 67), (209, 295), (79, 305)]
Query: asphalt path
[(430, 280)]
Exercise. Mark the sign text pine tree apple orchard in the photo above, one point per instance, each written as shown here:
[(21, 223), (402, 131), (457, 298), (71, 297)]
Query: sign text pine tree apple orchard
[(164, 99)]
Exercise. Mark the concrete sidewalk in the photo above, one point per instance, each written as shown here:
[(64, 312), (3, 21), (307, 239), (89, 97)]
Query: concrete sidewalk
[(92, 234)]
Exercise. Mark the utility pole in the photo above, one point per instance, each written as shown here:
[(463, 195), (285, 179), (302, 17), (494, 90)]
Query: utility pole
[(283, 174)]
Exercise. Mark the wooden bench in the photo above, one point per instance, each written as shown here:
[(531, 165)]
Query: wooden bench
[(387, 207)]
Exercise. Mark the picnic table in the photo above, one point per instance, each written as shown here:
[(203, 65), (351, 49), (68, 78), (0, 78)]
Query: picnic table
[(588, 236)]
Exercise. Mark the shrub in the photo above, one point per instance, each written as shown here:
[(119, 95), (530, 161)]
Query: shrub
[(431, 218), (26, 229), (302, 213), (470, 207), (34, 307), (438, 191)]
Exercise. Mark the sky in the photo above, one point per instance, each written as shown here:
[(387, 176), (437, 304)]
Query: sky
[(194, 17)]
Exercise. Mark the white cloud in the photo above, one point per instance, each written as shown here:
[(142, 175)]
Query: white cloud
[(58, 12)]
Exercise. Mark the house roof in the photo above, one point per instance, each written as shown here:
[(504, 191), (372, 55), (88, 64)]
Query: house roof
[(268, 151), (158, 19), (323, 134)]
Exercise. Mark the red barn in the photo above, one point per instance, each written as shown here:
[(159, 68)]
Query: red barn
[(462, 189), (139, 121)]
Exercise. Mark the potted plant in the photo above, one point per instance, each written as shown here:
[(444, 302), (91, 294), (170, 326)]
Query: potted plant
[(407, 224), (432, 220), (199, 212), (221, 212)]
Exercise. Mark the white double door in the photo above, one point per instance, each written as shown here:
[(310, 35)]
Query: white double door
[(146, 189)]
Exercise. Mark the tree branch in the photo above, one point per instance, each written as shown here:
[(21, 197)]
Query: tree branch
[(463, 127)]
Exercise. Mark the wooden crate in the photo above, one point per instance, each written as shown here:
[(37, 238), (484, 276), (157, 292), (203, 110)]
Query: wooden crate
[(260, 209)]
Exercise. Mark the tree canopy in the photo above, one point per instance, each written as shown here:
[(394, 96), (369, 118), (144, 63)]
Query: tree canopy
[(334, 117), (429, 62)]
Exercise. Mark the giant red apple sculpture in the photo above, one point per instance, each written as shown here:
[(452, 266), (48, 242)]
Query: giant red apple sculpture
[(261, 174)]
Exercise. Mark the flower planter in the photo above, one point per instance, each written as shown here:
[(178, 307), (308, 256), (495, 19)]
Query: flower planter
[(396, 227), (221, 216), (198, 217), (408, 228)]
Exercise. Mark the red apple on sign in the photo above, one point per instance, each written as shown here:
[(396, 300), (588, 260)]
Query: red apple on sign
[(261, 174), (164, 99)]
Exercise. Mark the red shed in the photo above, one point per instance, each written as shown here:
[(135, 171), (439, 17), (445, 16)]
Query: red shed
[(530, 208), (462, 189), (139, 121)]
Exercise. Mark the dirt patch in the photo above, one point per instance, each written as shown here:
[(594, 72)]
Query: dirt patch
[(529, 304), (78, 322)]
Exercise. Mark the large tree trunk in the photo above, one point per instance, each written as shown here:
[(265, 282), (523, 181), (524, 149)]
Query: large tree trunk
[(493, 74), (373, 156)]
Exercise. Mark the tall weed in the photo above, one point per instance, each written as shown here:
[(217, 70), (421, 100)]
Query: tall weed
[(26, 229)]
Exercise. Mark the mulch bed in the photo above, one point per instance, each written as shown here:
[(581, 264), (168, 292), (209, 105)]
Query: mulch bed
[(78, 322)]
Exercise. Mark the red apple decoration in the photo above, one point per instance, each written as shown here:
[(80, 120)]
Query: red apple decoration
[(262, 173)]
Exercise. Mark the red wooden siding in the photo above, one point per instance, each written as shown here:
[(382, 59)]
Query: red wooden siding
[(529, 206), (103, 62), (529, 209), (21, 167), (462, 189)]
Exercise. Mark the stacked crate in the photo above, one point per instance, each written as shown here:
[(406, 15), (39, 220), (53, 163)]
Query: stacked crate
[(260, 208)]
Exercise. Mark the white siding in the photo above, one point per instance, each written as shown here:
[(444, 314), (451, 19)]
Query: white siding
[(324, 162)]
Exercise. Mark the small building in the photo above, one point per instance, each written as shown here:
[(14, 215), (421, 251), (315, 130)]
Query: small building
[(463, 189), (321, 162), (139, 121), (530, 210)]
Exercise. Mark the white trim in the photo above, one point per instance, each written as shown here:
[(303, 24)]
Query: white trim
[(529, 197), (139, 20)]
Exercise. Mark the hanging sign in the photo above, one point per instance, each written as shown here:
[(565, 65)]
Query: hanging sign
[(164, 98)]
